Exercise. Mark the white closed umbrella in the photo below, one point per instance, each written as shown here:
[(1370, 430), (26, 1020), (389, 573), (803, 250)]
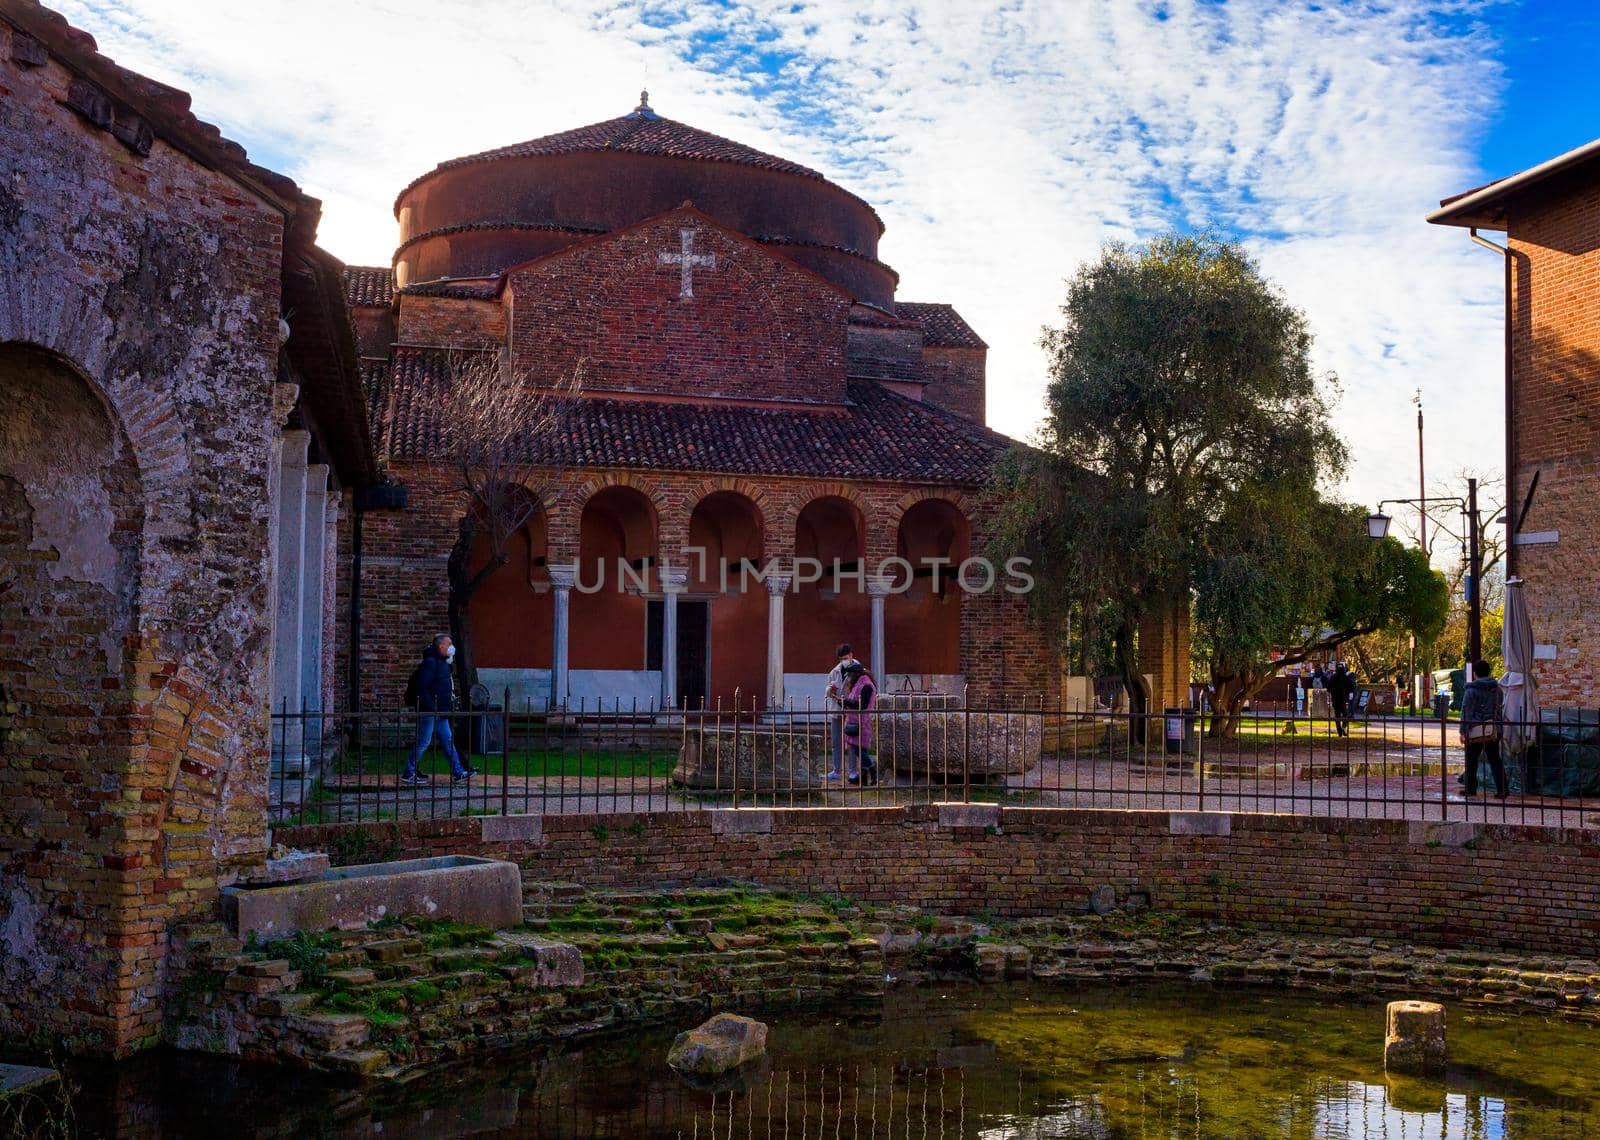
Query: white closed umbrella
[(1521, 691)]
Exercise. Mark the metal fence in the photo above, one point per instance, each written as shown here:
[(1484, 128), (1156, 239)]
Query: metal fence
[(611, 757)]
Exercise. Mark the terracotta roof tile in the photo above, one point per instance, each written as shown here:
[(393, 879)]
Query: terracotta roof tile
[(880, 436), (942, 326), (369, 286)]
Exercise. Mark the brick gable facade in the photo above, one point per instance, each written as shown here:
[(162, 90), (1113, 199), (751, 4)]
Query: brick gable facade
[(754, 327)]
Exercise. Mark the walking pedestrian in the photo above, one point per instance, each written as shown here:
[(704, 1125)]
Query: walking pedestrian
[(860, 695), (1341, 687), (1482, 718), (834, 707), (435, 696)]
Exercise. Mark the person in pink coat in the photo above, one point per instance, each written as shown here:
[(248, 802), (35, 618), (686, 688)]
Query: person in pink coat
[(860, 697)]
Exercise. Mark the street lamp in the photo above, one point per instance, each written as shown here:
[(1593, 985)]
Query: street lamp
[(1378, 527)]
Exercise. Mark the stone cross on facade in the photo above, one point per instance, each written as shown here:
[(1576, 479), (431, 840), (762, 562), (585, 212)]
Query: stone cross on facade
[(686, 259)]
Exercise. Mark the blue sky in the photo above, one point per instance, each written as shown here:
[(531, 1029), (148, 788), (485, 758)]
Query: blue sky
[(1002, 143)]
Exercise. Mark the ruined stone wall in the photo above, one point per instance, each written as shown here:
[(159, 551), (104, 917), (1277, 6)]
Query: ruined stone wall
[(1458, 885), (139, 302)]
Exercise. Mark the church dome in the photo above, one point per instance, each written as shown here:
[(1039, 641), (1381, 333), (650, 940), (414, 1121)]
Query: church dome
[(481, 214)]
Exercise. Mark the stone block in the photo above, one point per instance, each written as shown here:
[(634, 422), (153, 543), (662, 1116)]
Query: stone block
[(290, 867), (1441, 834), (952, 746), (483, 892), (744, 821), (754, 759), (555, 964), (513, 828), (1414, 1042), (1215, 823), (969, 815), (723, 1043)]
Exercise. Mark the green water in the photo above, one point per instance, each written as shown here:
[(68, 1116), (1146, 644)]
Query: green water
[(1025, 1061)]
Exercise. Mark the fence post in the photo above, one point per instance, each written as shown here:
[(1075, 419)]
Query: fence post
[(1444, 765), (505, 748)]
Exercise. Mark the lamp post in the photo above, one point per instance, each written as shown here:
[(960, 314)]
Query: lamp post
[(1378, 527)]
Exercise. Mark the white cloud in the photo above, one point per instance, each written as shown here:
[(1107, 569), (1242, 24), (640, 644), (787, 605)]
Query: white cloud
[(1001, 144)]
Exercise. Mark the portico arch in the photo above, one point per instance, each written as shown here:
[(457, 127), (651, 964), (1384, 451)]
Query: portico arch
[(821, 614), (71, 528), (617, 547), (726, 533), (923, 619)]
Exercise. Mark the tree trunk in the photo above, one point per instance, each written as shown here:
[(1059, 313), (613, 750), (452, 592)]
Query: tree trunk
[(1133, 682), (461, 589)]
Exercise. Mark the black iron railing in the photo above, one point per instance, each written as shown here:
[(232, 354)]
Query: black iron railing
[(612, 757)]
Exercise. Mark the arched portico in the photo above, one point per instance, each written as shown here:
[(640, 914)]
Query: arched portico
[(923, 609), (513, 612), (607, 643), (722, 618), (827, 603), (71, 529)]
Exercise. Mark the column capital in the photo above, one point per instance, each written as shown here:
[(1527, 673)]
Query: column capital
[(563, 574), (778, 584), (879, 585), (294, 444), (316, 478), (284, 398), (674, 579)]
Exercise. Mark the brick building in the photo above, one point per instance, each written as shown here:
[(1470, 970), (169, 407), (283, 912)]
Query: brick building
[(1550, 215), (172, 455), (752, 389)]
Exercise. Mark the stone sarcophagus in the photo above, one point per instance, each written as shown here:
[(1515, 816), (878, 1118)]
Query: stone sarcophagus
[(924, 736), (463, 888), (931, 736), (764, 758)]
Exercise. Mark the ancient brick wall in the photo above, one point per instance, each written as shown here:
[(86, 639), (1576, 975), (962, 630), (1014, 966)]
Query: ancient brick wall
[(957, 380), (139, 298), (1556, 434), (1459, 885), (756, 326), (1003, 652), (454, 321)]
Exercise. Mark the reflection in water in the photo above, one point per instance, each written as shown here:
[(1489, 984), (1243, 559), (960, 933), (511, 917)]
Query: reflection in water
[(1022, 1063)]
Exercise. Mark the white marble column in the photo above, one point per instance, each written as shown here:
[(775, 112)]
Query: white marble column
[(313, 569), (673, 581), (777, 586), (287, 625), (877, 590), (561, 580)]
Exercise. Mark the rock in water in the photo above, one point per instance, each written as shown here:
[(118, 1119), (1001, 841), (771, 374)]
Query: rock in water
[(723, 1043), (1414, 1041)]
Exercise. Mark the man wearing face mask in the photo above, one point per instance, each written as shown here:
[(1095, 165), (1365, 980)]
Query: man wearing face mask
[(435, 699)]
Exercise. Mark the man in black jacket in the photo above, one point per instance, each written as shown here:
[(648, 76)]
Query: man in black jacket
[(1481, 717), (436, 696), (1341, 687)]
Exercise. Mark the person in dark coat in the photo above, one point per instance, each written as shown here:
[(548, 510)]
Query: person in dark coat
[(1341, 687), (436, 696), (1481, 716)]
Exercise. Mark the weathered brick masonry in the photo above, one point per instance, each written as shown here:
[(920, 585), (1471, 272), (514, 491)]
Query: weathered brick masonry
[(143, 266), (1550, 216), (1455, 885)]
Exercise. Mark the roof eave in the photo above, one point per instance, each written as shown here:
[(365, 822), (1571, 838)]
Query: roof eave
[(1485, 208)]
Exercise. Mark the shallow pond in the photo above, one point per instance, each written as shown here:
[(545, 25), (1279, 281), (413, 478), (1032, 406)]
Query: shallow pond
[(1025, 1061)]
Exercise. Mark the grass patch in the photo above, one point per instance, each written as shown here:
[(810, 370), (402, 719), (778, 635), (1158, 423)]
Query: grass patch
[(532, 764)]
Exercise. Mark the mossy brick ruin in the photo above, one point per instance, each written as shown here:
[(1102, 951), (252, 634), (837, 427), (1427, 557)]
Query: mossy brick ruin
[(405, 994)]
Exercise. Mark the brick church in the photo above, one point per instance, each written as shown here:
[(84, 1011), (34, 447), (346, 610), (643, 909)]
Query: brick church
[(754, 392)]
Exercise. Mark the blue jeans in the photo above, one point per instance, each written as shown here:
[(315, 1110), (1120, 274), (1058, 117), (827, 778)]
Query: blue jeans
[(426, 727)]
